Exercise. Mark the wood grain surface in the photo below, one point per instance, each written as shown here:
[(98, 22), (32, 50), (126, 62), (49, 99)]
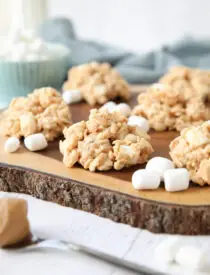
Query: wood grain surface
[(109, 194)]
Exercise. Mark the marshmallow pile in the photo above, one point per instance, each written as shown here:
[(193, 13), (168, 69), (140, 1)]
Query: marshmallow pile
[(35, 142), (161, 169), (171, 250), (25, 45)]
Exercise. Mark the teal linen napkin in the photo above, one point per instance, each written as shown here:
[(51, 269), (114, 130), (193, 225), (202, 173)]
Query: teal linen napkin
[(142, 68)]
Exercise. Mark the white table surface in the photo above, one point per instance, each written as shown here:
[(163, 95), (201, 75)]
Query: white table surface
[(52, 221)]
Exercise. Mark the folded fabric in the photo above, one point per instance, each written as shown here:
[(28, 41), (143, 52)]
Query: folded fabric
[(143, 68)]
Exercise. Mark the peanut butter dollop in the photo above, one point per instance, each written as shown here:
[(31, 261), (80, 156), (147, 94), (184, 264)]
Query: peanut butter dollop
[(14, 225)]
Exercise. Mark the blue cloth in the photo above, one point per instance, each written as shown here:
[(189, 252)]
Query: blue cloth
[(142, 68)]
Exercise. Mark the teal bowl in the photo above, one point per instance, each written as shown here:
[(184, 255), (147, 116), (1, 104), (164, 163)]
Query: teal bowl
[(18, 78)]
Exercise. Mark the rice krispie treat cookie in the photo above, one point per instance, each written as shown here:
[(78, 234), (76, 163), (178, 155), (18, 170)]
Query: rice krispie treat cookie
[(43, 111), (190, 82), (166, 108), (105, 141), (191, 150), (97, 82)]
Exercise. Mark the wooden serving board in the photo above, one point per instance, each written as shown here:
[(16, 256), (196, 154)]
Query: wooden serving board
[(108, 194)]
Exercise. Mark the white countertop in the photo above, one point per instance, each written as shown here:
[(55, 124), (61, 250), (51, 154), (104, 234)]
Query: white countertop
[(52, 221)]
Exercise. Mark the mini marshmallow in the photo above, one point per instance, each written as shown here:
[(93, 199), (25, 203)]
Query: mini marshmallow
[(123, 108), (143, 179), (72, 96), (35, 142), (191, 256), (19, 52), (127, 150), (11, 145), (32, 57), (139, 121), (159, 86), (160, 165), (109, 106), (176, 179), (167, 249), (37, 46)]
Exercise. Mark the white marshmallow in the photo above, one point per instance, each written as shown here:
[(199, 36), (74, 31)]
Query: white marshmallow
[(124, 108), (139, 121), (176, 179), (37, 46), (160, 165), (72, 96), (191, 256), (19, 52), (167, 249), (127, 150), (11, 145), (159, 86), (109, 106), (143, 179), (32, 57), (35, 142)]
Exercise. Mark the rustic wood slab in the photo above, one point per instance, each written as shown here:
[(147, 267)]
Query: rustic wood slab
[(109, 194)]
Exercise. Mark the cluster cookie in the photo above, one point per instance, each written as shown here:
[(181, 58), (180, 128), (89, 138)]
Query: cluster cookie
[(105, 141), (190, 82), (167, 108), (43, 111), (191, 150), (98, 83)]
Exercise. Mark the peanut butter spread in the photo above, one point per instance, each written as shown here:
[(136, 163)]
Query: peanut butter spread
[(14, 225)]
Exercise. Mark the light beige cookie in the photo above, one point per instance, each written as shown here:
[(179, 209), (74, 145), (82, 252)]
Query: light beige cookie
[(166, 108), (105, 141), (97, 82), (192, 151), (43, 111), (190, 82)]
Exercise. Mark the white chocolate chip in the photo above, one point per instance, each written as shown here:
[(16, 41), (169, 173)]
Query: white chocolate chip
[(176, 179), (109, 106), (143, 179), (123, 108), (11, 145), (72, 96), (191, 256), (35, 142), (139, 121), (160, 165), (166, 251)]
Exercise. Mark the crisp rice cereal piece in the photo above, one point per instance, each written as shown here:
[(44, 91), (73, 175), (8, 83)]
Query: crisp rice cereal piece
[(191, 150), (97, 82), (42, 111), (105, 141)]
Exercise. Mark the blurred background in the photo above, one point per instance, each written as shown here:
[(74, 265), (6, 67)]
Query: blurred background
[(142, 39), (136, 25)]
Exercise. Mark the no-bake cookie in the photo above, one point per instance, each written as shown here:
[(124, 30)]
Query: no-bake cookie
[(105, 141), (190, 82), (167, 108), (43, 111), (97, 82), (191, 150)]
